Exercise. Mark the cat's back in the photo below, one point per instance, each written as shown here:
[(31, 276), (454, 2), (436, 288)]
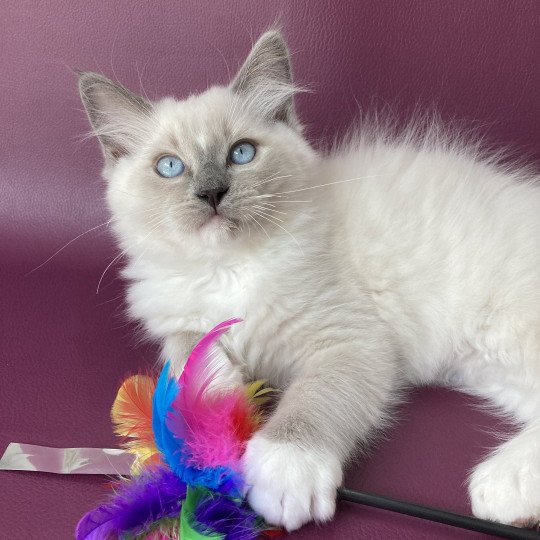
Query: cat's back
[(432, 228), (425, 195)]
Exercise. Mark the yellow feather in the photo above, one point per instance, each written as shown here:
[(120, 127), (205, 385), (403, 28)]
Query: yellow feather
[(257, 394)]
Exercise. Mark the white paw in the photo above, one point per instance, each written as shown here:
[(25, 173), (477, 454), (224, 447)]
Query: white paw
[(290, 486), (506, 487)]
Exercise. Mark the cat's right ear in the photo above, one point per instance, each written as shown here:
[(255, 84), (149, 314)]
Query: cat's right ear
[(119, 118), (265, 79)]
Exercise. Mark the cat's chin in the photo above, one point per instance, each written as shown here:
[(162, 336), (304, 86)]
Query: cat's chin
[(218, 228)]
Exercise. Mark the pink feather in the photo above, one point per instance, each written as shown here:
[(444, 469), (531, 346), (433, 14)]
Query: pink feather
[(214, 423)]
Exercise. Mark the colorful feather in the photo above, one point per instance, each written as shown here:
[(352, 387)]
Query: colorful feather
[(164, 529), (230, 518), (164, 394), (160, 535), (210, 424), (197, 431), (132, 419), (155, 494)]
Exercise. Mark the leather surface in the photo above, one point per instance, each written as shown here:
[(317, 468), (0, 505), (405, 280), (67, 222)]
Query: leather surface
[(65, 348)]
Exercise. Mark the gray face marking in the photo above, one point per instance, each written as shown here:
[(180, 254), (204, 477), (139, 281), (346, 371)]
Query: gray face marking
[(213, 174), (212, 178)]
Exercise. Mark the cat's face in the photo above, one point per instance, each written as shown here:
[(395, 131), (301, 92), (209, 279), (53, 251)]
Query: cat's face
[(213, 168)]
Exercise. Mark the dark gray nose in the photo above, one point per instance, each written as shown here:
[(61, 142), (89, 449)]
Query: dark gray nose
[(213, 196)]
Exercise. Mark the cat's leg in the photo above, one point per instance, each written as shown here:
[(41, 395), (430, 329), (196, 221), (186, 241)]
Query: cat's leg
[(293, 466), (506, 486), (177, 347)]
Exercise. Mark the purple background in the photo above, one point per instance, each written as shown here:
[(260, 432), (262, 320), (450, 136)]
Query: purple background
[(66, 349)]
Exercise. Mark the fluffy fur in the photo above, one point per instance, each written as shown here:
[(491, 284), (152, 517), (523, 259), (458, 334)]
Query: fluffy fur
[(397, 259)]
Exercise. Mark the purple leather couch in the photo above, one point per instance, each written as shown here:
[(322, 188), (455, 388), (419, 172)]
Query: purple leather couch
[(65, 348)]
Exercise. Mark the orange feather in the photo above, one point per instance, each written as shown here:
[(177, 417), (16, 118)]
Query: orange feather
[(131, 414)]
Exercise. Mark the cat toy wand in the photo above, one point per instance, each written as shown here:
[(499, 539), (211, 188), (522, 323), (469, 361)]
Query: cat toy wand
[(439, 516)]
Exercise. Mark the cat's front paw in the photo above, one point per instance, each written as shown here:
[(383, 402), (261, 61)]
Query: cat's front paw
[(506, 488), (288, 485)]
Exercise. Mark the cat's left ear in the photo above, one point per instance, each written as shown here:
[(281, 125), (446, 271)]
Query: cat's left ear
[(120, 119), (265, 80)]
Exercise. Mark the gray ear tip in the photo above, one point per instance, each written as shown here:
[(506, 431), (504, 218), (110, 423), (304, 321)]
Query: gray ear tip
[(83, 74), (83, 81), (275, 31), (89, 81), (85, 78), (274, 35)]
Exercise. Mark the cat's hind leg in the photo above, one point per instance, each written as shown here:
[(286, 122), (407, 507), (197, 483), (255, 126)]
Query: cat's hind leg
[(506, 486), (505, 370)]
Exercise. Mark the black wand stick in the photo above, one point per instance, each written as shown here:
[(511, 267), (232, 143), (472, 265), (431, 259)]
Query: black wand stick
[(440, 516)]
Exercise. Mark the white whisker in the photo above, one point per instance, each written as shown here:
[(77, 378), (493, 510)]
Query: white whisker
[(263, 229), (128, 193), (270, 179), (280, 198), (264, 179), (124, 252), (66, 245), (245, 222), (330, 184), (262, 212), (267, 203), (261, 196), (143, 90), (282, 201), (284, 229), (269, 209)]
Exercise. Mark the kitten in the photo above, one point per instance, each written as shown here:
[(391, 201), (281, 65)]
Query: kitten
[(395, 260)]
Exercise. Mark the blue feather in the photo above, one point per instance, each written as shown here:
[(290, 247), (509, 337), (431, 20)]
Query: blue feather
[(164, 394), (221, 479)]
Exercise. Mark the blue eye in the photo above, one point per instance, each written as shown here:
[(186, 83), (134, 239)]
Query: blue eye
[(242, 153), (169, 167)]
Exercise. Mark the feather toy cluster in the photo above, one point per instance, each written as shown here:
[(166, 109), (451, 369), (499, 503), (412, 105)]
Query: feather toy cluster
[(187, 436)]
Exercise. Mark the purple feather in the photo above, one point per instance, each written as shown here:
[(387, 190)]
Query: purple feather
[(233, 519), (157, 493)]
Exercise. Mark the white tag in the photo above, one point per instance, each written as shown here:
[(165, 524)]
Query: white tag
[(30, 457)]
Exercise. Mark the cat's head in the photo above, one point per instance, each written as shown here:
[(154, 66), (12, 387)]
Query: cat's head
[(211, 169)]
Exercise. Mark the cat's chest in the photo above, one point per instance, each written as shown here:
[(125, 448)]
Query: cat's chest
[(221, 293), (196, 300)]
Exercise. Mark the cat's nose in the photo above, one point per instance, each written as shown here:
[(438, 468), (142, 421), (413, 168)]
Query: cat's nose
[(213, 196)]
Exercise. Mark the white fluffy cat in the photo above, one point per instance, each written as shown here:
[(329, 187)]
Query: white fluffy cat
[(395, 260)]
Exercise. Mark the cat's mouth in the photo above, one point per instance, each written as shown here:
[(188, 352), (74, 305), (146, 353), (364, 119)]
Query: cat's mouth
[(218, 222)]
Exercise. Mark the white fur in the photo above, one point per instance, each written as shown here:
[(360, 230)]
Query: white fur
[(416, 261), (446, 247), (506, 487), (291, 485)]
